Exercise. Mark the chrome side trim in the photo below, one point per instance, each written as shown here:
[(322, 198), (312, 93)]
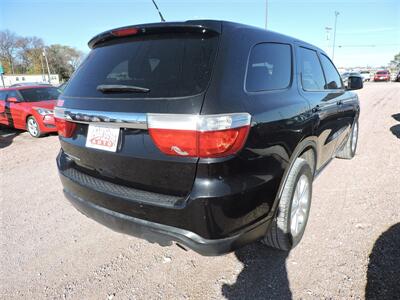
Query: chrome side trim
[(113, 119)]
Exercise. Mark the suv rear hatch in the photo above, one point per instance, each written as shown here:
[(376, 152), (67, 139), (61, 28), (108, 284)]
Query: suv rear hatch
[(131, 72)]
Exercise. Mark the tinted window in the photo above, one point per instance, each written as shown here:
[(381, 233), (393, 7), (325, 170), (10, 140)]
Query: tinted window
[(170, 65), (312, 78), (3, 95), (269, 68), (39, 94), (12, 94), (331, 75)]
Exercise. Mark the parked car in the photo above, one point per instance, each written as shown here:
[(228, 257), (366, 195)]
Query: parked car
[(202, 133), (382, 76), (30, 108), (393, 76), (366, 75)]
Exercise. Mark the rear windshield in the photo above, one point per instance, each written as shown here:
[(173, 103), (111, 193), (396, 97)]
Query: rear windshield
[(169, 65), (39, 94), (382, 72)]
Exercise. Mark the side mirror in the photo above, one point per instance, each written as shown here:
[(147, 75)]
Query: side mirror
[(354, 83), (12, 99)]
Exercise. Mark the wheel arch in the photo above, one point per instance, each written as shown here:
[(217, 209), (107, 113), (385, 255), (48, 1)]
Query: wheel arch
[(306, 149), (26, 118)]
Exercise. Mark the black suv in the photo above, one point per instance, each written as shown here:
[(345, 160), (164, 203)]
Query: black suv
[(204, 133)]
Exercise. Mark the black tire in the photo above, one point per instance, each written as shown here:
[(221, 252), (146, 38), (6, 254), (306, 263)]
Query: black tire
[(350, 148), (280, 235), (30, 123)]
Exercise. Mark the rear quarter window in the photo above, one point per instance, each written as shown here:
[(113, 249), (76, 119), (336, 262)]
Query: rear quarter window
[(269, 67), (3, 95)]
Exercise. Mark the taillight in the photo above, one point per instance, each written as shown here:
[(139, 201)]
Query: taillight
[(199, 136), (64, 127)]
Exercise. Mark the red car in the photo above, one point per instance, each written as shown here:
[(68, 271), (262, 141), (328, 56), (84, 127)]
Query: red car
[(382, 76), (30, 108)]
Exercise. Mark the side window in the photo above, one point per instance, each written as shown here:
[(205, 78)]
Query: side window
[(3, 95), (12, 94), (312, 77), (331, 74), (269, 68)]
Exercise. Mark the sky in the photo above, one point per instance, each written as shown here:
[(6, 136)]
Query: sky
[(368, 31)]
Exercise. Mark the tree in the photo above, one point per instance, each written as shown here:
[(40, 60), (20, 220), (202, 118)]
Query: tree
[(63, 60), (8, 49), (30, 55), (24, 55)]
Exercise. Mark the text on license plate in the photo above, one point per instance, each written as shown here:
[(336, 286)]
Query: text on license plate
[(103, 138)]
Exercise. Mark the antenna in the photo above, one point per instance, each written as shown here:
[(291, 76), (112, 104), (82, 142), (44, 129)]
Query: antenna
[(159, 12)]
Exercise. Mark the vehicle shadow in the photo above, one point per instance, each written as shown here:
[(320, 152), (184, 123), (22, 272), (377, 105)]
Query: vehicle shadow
[(396, 130), (383, 275), (7, 135), (396, 117), (263, 276)]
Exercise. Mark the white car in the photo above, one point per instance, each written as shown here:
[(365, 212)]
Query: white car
[(365, 75)]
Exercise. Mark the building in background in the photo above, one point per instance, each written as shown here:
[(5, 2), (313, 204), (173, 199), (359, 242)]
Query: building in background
[(28, 78)]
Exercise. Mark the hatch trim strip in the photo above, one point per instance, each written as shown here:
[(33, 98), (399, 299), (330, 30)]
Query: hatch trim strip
[(107, 118)]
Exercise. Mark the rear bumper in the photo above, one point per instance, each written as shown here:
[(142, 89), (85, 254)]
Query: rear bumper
[(164, 234), (209, 225)]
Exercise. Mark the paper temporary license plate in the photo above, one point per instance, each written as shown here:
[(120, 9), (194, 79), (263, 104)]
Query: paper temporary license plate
[(102, 137)]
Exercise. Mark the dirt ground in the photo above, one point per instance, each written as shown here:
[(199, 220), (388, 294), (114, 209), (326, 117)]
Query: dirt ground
[(351, 247)]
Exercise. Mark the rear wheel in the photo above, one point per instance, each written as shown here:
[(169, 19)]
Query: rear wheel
[(32, 126), (350, 148), (290, 222)]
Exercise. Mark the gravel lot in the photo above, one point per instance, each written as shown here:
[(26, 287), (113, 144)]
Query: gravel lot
[(48, 249)]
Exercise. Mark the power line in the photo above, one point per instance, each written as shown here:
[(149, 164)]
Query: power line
[(381, 45)]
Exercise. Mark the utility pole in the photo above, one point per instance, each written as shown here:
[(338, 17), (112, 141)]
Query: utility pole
[(1, 74), (12, 66), (47, 63), (328, 37), (266, 13), (41, 62), (334, 35)]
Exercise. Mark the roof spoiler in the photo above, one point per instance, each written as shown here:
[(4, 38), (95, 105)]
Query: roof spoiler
[(136, 30)]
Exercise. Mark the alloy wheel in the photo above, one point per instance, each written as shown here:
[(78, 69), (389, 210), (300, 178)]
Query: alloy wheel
[(33, 127), (300, 206), (354, 137)]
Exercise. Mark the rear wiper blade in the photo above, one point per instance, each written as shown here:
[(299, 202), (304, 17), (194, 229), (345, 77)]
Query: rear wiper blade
[(119, 88)]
